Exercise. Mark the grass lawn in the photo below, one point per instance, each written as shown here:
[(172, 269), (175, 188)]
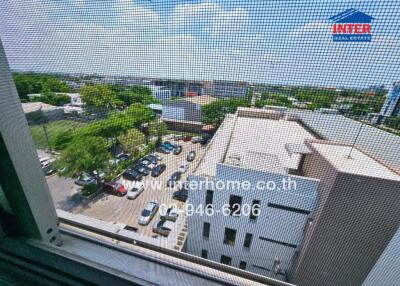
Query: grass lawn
[(53, 128)]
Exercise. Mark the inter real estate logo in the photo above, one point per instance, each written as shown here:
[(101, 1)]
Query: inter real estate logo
[(351, 26)]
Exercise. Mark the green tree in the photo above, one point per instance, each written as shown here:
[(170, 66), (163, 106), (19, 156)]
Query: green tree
[(214, 113), (99, 95), (28, 83), (84, 154), (118, 122), (393, 122), (130, 97), (158, 129), (61, 139), (131, 141), (50, 97)]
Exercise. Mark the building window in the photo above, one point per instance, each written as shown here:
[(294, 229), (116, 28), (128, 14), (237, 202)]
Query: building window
[(243, 265), (255, 209), (247, 240), (235, 203), (209, 199), (226, 260), (230, 236), (206, 230), (204, 253)]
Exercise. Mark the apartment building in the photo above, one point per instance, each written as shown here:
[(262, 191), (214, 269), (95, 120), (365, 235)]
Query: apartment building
[(254, 146), (229, 89), (391, 106), (330, 230), (357, 216)]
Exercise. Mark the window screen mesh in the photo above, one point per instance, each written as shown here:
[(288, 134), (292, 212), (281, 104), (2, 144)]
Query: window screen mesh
[(263, 135)]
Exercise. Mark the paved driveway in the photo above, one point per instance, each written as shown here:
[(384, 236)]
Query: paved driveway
[(64, 192)]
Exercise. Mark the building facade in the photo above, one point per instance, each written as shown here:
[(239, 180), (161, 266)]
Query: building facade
[(356, 218), (330, 230), (226, 89), (252, 146), (391, 107)]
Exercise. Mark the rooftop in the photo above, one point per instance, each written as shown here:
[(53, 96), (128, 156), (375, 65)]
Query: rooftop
[(35, 106), (202, 100), (351, 160), (259, 143)]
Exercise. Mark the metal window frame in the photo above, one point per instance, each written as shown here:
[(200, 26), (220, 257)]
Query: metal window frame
[(21, 176)]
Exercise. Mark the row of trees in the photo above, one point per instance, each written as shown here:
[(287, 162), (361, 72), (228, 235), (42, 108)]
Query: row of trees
[(52, 98), (114, 96), (88, 148), (214, 113), (28, 83)]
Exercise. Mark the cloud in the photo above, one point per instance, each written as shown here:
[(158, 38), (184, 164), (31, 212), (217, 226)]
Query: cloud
[(313, 29), (209, 17)]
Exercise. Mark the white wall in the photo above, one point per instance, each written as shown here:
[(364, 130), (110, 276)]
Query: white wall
[(272, 223)]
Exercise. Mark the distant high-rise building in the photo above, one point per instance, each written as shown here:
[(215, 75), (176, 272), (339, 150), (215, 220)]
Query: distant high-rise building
[(391, 107)]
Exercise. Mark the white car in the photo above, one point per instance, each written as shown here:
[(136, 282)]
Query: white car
[(135, 190), (148, 213), (183, 168), (171, 214), (148, 164)]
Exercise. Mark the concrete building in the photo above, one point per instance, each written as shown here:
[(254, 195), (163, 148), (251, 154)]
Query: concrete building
[(228, 89), (391, 107), (160, 92), (357, 216), (253, 145), (330, 230), (182, 109), (37, 111)]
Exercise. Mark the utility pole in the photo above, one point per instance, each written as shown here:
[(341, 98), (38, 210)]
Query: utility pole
[(47, 137)]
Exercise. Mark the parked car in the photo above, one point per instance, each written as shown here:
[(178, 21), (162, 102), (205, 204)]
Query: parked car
[(168, 145), (204, 141), (85, 180), (132, 175), (169, 136), (123, 156), (157, 171), (178, 137), (99, 175), (135, 190), (182, 194), (187, 139), (177, 150), (148, 213), (163, 149), (149, 164), (141, 168), (196, 140), (163, 227), (183, 168), (152, 158), (115, 188), (156, 155), (44, 161), (48, 170), (191, 156), (175, 177), (171, 214)]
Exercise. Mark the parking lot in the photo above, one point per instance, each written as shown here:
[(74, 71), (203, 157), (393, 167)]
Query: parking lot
[(111, 208)]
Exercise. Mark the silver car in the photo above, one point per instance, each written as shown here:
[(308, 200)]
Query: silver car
[(135, 190), (148, 213), (163, 227)]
